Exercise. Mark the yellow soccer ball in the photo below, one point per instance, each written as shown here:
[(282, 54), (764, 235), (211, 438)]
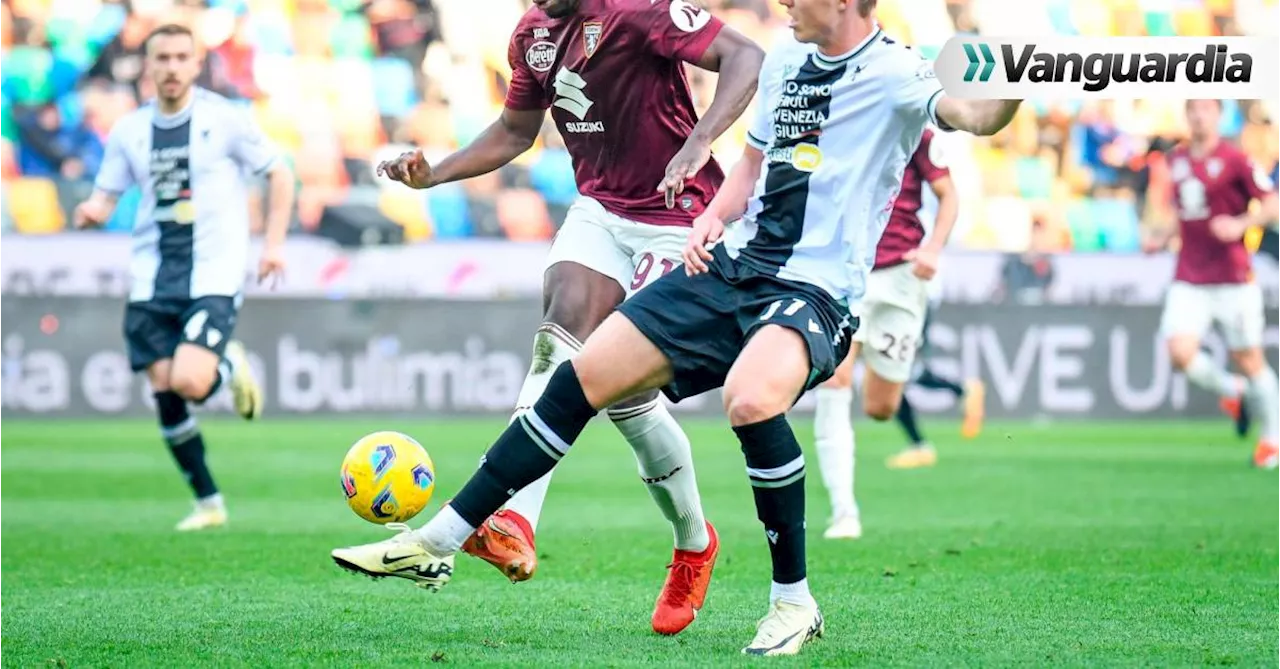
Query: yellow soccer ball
[(388, 478)]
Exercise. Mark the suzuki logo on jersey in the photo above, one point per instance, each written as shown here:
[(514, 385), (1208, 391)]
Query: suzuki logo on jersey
[(591, 37), (571, 98), (688, 16), (541, 56)]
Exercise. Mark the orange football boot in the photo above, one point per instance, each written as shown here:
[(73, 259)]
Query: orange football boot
[(975, 410), (505, 540), (682, 595), (1266, 455)]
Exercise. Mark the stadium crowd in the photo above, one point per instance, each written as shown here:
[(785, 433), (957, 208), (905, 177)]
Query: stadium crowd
[(340, 84)]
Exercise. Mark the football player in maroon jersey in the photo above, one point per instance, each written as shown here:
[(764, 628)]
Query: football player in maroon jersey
[(611, 72), (1214, 184)]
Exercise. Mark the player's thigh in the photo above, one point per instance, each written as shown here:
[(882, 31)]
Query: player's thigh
[(207, 326), (587, 270), (152, 331), (772, 371), (810, 318), (843, 376), (1187, 316), (891, 340), (1240, 314), (655, 251), (691, 321), (618, 362)]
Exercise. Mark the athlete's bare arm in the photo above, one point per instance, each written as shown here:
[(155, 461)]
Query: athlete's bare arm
[(505, 139), (94, 211), (729, 203), (925, 258), (980, 117), (1233, 228), (738, 61)]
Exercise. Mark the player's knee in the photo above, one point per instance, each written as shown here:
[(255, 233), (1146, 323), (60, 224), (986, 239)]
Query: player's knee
[(879, 408), (192, 385), (746, 406), (1181, 352)]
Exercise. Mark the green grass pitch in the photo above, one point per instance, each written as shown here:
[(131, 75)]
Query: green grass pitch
[(1068, 545)]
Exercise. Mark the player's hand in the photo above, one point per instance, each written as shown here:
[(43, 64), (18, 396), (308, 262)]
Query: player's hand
[(1229, 228), (409, 168), (271, 266), (924, 262), (684, 165), (1153, 244), (707, 229), (89, 214)]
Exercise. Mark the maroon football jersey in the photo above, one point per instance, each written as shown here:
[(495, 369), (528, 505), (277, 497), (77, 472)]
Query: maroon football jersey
[(1220, 183), (905, 231), (613, 77)]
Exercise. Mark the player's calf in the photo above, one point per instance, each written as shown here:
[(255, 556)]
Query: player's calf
[(186, 445), (772, 370)]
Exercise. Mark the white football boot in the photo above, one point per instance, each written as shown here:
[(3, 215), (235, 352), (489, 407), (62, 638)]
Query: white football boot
[(244, 387), (207, 514), (785, 629), (844, 527), (402, 555)]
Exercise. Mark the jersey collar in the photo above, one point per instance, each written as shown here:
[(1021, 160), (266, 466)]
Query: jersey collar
[(172, 121), (832, 62)]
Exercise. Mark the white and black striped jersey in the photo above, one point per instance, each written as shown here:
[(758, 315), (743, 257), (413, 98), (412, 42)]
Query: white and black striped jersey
[(837, 133), (191, 235)]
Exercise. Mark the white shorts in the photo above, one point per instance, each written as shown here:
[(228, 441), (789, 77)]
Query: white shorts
[(892, 322), (1191, 309), (633, 254)]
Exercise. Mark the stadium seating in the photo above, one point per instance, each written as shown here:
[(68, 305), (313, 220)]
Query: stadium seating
[(331, 96), (33, 204)]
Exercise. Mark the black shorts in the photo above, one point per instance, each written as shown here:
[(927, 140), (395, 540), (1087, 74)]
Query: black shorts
[(701, 323), (153, 329)]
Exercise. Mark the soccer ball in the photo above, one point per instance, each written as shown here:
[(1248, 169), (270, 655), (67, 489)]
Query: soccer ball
[(388, 478)]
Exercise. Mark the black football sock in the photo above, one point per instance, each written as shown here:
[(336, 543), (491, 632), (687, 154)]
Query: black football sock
[(775, 466), (907, 419), (934, 382), (529, 448), (181, 432)]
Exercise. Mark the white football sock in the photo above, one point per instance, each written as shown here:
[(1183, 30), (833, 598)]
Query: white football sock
[(791, 593), (212, 502), (833, 432), (666, 467), (1264, 398), (552, 346), (445, 533), (1204, 373)]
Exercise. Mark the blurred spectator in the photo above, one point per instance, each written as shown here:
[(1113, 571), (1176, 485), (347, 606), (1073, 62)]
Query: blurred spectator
[(121, 60), (404, 29), (231, 60), (50, 149)]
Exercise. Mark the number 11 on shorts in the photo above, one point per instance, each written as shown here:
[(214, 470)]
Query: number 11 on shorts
[(795, 306)]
